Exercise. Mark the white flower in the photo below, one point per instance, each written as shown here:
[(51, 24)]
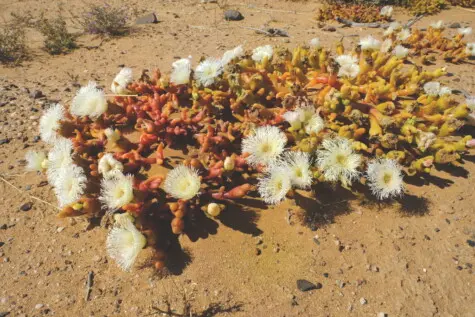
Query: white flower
[(315, 43), (425, 139), (261, 52), (59, 158), (437, 25), (299, 116), (112, 135), (207, 71), (182, 182), (400, 51), (264, 146), (117, 191), (36, 161), (470, 49), (369, 43), (314, 125), (274, 184), (349, 70), (121, 81), (470, 101), (293, 117), (346, 60), (403, 34), (124, 241), (393, 26), (338, 161), (89, 101), (70, 185), (181, 71), (386, 11), (465, 31), (298, 164), (445, 91), (228, 56), (386, 45), (432, 88), (385, 178), (108, 166), (50, 123)]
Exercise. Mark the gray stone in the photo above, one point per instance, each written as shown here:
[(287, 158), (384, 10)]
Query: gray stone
[(35, 94), (233, 15), (455, 25), (147, 19), (4, 141), (305, 285), (381, 314), (26, 206)]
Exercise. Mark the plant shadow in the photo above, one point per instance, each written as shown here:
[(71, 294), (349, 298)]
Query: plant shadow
[(241, 218), (322, 210), (412, 205)]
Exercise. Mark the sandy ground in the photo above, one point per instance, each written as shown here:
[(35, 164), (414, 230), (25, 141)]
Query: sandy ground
[(411, 258)]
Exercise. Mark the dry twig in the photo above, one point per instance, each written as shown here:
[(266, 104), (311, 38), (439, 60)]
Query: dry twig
[(31, 196)]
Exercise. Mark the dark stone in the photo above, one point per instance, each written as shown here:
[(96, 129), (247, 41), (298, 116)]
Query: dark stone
[(27, 187), (305, 285), (326, 274), (258, 251), (36, 138), (455, 25), (4, 141), (471, 243), (26, 206), (233, 15), (34, 109), (42, 183), (4, 226), (147, 19), (318, 285), (459, 268), (35, 94), (329, 28), (4, 313), (436, 229), (2, 244)]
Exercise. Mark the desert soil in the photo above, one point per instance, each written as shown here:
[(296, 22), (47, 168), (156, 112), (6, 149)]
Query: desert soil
[(413, 257)]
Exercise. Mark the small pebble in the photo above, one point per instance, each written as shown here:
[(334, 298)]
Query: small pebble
[(381, 314), (363, 301), (471, 243), (26, 206), (39, 306), (59, 229), (233, 15), (305, 285)]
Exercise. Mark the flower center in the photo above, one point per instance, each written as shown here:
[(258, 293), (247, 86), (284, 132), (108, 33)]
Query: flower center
[(387, 178), (266, 148), (341, 159), (298, 172)]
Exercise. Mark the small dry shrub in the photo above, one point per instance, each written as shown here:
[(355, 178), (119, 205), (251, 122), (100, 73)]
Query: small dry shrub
[(12, 44), (57, 38), (105, 19)]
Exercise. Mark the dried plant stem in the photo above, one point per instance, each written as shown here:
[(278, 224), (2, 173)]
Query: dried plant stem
[(31, 196)]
